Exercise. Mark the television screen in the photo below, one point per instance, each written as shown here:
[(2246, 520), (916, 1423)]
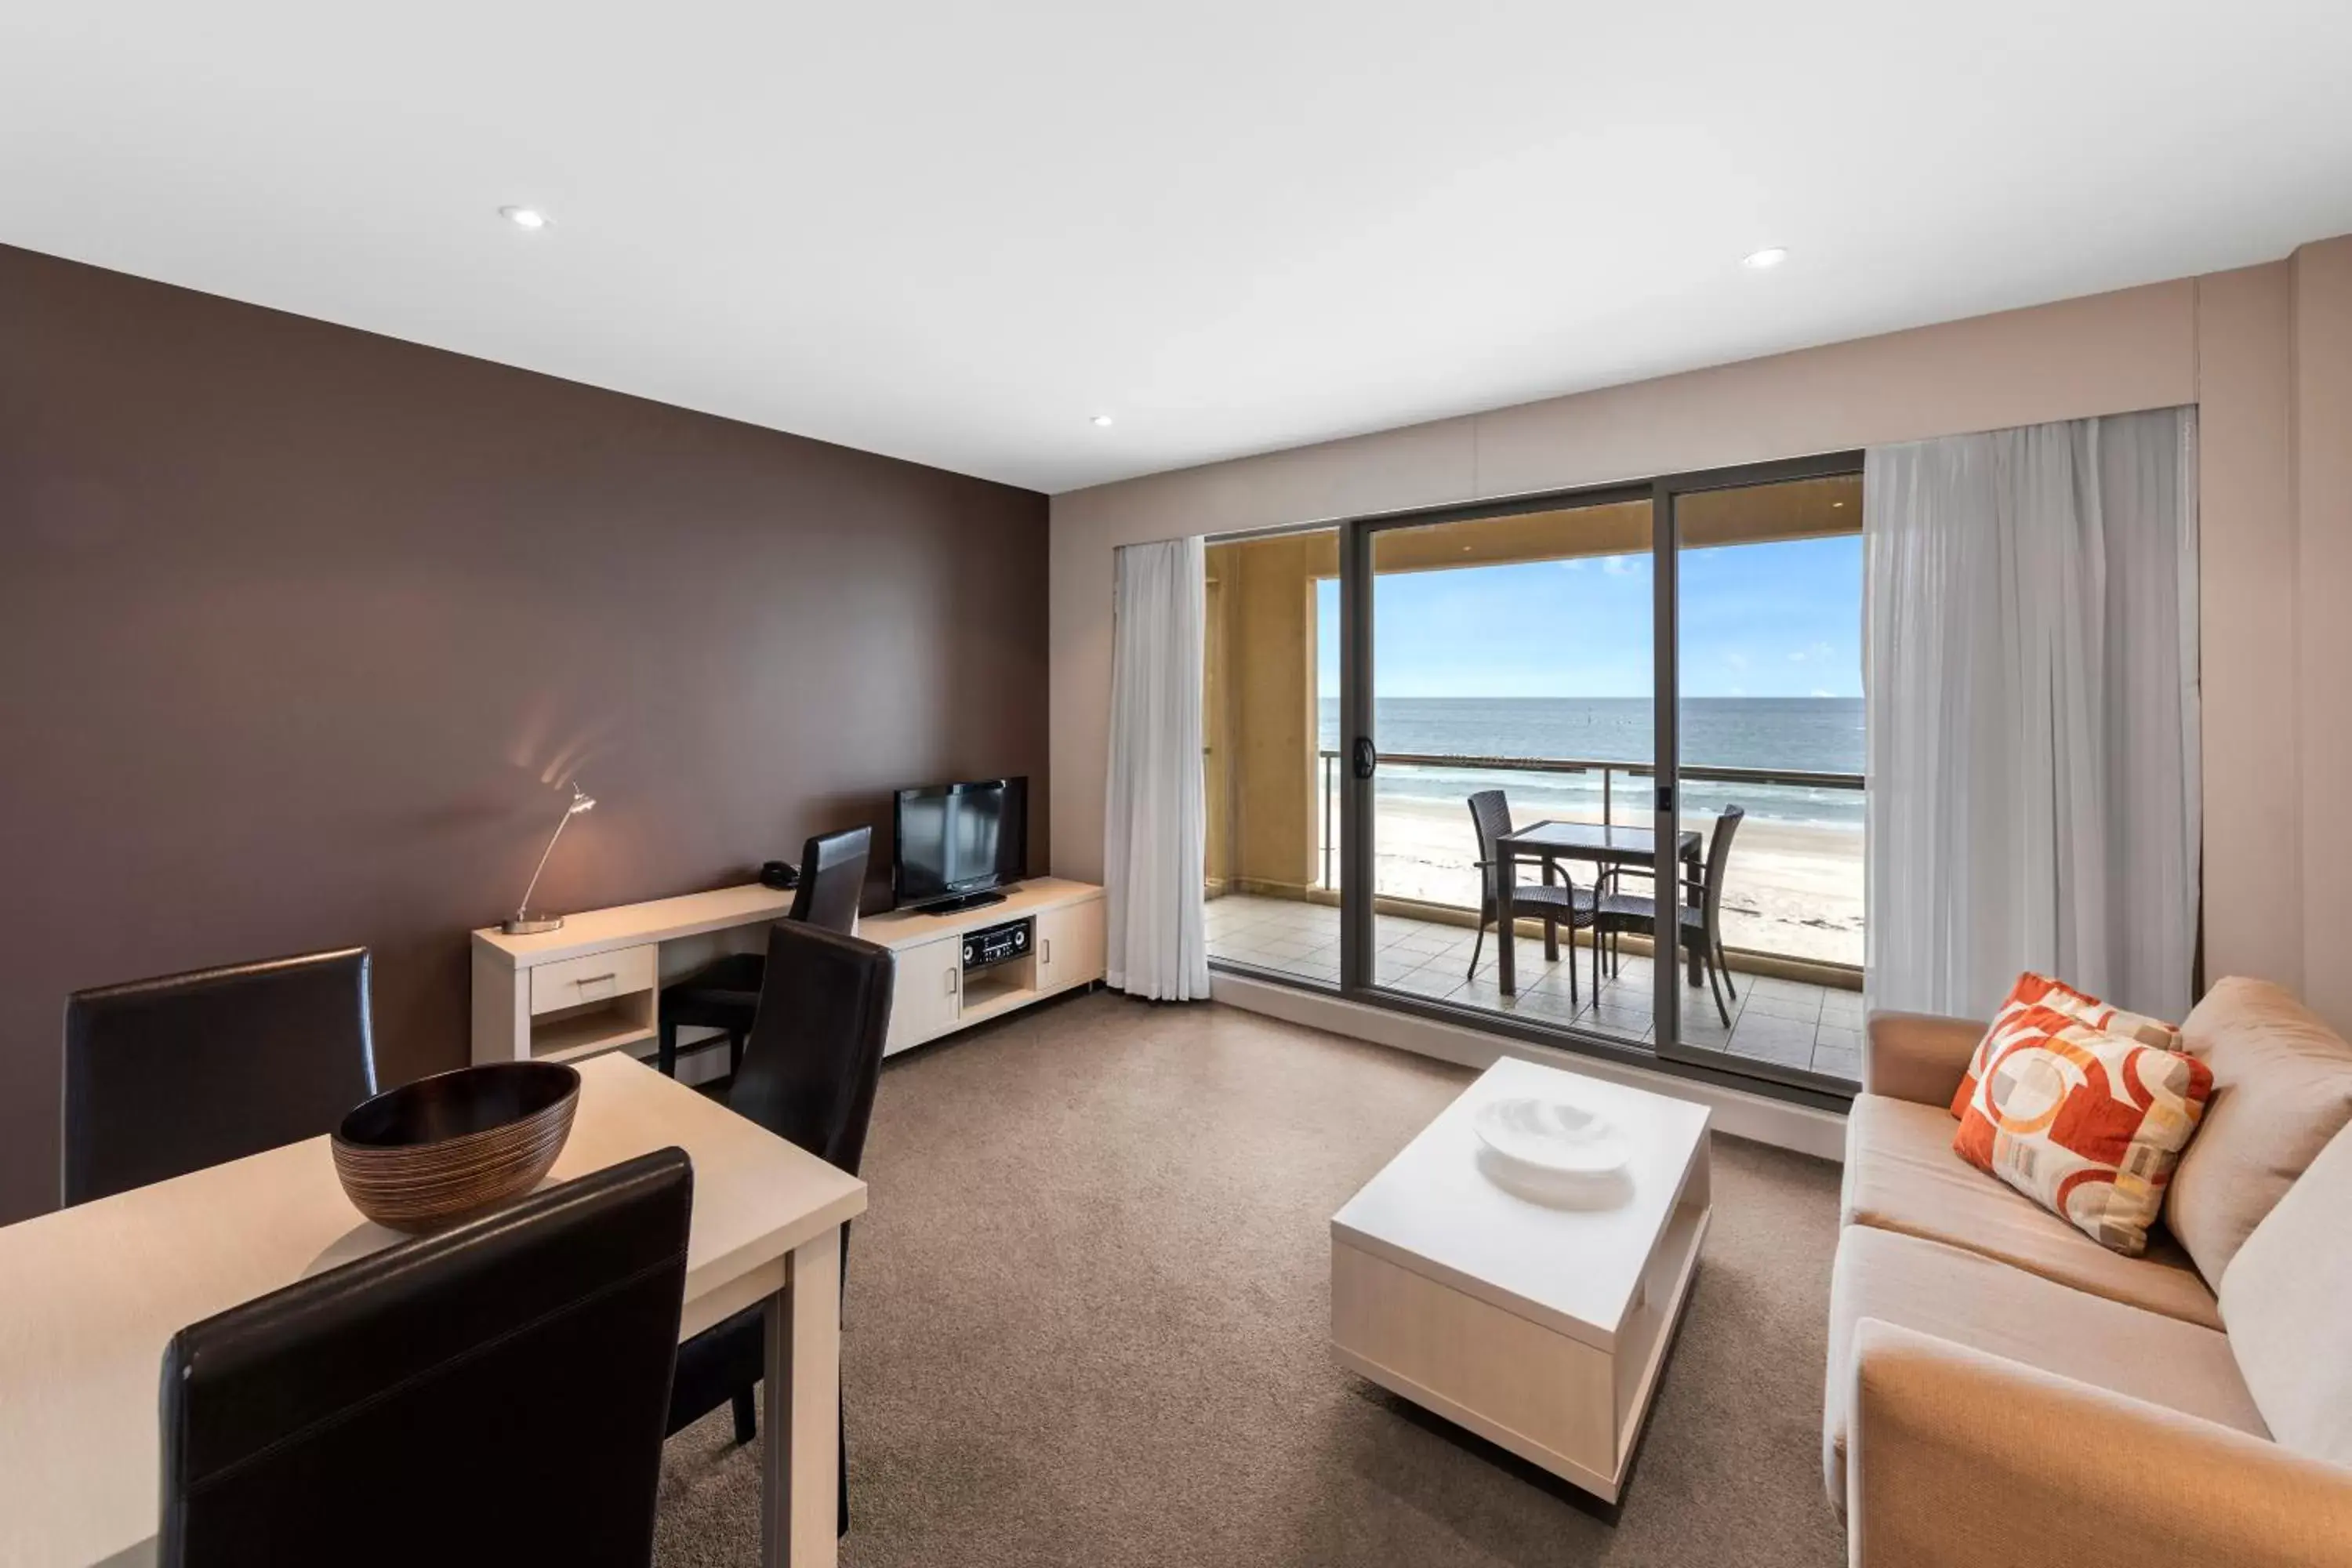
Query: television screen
[(960, 838)]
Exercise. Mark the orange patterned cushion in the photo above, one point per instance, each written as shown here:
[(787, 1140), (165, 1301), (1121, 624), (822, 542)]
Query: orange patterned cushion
[(2088, 1124), (2033, 990)]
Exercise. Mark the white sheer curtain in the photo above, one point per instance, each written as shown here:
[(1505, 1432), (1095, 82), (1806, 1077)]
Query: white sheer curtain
[(1155, 821), (2033, 713)]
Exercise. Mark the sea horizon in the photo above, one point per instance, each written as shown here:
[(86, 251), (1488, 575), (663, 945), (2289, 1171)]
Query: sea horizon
[(1807, 734)]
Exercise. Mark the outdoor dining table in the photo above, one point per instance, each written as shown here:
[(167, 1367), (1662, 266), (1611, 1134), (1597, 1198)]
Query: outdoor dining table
[(1545, 842)]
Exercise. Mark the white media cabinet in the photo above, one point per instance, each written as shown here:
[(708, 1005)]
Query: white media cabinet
[(594, 985)]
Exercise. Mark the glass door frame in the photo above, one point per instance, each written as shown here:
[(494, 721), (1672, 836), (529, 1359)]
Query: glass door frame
[(1358, 856), (1357, 847), (1667, 749)]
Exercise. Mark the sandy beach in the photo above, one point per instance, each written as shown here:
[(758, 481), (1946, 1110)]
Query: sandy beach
[(1793, 888)]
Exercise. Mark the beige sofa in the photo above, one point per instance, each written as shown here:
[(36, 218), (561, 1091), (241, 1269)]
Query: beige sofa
[(2002, 1390)]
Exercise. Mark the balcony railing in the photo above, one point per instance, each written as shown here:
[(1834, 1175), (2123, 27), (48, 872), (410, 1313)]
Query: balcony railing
[(1794, 896), (1784, 778)]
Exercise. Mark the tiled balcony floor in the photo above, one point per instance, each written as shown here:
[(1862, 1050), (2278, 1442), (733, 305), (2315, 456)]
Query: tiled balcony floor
[(1784, 1021)]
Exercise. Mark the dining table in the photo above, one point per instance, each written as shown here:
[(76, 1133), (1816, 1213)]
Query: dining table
[(1604, 845), (93, 1293)]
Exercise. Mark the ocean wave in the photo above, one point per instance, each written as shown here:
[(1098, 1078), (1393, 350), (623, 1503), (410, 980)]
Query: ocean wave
[(1535, 796)]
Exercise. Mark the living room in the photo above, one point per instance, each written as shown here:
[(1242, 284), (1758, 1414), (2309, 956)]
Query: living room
[(972, 630)]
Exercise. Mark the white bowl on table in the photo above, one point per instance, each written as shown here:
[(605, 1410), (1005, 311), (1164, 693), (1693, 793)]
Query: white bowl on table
[(1553, 1151)]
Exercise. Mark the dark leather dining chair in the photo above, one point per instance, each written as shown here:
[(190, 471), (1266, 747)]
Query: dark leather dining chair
[(809, 1077), (725, 993), (493, 1393), (167, 1076)]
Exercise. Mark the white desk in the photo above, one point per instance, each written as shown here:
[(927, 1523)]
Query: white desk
[(91, 1296), (594, 985)]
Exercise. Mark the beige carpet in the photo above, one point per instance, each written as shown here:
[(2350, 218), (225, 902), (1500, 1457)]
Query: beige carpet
[(1087, 1315)]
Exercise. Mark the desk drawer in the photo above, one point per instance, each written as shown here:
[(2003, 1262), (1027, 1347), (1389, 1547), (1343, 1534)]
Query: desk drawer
[(598, 977)]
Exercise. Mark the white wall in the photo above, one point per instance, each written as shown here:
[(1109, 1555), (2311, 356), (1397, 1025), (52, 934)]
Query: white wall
[(2321, 611), (2228, 342), (2254, 812)]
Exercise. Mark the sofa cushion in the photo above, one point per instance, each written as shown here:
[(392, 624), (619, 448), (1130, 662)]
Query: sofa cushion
[(1901, 1174), (2033, 990), (2087, 1123), (2281, 1088), (1986, 1305), (2287, 1299)]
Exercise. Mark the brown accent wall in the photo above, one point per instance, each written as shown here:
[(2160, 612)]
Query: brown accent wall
[(300, 629)]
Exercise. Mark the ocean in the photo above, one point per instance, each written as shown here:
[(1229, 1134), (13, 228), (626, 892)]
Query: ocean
[(1813, 734)]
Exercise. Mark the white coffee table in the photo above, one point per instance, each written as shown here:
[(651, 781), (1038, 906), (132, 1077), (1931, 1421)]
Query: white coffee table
[(1538, 1327)]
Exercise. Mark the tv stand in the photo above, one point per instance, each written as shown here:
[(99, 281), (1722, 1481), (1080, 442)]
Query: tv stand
[(958, 905), (930, 993), (595, 984)]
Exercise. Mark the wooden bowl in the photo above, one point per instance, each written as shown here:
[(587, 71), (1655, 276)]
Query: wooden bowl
[(437, 1151)]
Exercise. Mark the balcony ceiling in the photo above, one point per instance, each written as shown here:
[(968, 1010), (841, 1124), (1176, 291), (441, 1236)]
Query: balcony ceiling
[(955, 232)]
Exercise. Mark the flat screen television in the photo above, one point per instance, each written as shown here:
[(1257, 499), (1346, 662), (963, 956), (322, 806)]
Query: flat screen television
[(955, 845)]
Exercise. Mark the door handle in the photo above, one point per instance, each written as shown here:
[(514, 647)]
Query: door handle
[(1366, 758), (1048, 956)]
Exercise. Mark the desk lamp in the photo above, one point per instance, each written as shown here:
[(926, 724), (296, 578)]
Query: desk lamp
[(525, 920)]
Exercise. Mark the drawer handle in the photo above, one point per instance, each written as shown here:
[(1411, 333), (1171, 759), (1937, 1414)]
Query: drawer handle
[(596, 979)]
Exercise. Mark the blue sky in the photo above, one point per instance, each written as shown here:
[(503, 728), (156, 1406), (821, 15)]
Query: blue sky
[(1758, 620)]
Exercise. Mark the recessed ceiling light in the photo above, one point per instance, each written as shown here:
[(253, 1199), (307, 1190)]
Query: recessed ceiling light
[(1757, 260), (524, 217), (1100, 422)]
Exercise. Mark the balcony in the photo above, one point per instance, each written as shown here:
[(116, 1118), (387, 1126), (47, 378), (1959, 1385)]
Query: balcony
[(1791, 904), (1517, 651)]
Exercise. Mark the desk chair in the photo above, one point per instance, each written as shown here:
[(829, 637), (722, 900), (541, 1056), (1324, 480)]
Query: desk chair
[(725, 994), (808, 1076), (493, 1393), (167, 1076)]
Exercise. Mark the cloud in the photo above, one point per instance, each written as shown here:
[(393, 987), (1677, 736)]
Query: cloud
[(1573, 565), (1820, 693), (1818, 650), (1625, 565), (1737, 659)]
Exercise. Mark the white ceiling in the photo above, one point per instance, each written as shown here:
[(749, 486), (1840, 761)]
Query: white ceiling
[(952, 231)]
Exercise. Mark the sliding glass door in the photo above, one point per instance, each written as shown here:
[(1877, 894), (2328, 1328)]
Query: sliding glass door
[(1510, 667), (1766, 589), (1585, 769)]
